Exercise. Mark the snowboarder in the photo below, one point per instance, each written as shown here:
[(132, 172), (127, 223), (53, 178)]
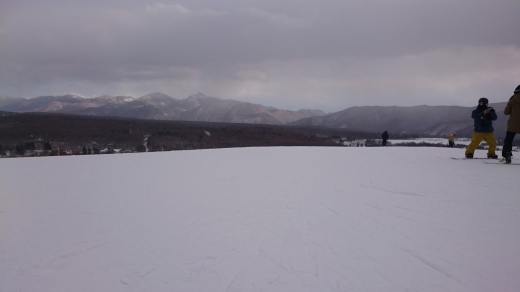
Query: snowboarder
[(451, 141), (483, 117), (513, 124), (385, 137)]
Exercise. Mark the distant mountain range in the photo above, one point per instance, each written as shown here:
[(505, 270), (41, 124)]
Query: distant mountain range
[(420, 120), (159, 106), (429, 120)]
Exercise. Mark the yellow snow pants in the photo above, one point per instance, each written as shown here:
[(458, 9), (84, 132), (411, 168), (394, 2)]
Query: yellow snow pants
[(489, 137)]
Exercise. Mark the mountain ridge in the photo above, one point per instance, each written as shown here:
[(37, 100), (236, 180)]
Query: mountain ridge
[(159, 106), (420, 120)]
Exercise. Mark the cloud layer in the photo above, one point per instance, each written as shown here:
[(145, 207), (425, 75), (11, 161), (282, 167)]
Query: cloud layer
[(292, 54)]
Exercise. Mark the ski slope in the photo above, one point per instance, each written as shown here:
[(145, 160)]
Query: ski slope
[(260, 219)]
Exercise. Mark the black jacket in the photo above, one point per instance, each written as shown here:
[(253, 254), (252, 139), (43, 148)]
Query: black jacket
[(483, 122)]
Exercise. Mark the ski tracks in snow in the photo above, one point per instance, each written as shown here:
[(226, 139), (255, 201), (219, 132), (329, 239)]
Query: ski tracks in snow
[(378, 226), (270, 219)]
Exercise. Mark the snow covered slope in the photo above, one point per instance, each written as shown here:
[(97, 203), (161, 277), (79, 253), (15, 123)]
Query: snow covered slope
[(260, 219)]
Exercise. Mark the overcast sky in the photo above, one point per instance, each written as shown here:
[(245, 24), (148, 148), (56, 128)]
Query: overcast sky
[(291, 54)]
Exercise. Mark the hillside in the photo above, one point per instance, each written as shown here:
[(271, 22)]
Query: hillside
[(260, 219), (73, 132)]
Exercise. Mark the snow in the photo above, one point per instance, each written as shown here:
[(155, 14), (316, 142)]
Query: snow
[(443, 141), (261, 219)]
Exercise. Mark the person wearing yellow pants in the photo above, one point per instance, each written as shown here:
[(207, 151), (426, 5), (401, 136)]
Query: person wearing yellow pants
[(483, 117)]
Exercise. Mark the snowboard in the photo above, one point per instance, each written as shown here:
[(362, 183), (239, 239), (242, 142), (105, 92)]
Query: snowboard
[(464, 158), (503, 162)]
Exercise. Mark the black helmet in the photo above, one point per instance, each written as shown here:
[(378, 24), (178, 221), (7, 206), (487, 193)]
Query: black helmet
[(483, 100), (517, 89)]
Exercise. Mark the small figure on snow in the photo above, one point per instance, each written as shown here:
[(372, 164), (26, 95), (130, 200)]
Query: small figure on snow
[(385, 137), (483, 117), (451, 140), (513, 124)]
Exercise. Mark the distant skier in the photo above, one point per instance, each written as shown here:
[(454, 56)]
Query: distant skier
[(513, 124), (385, 137), (483, 117), (451, 141)]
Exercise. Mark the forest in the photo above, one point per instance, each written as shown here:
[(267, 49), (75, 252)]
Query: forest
[(43, 134)]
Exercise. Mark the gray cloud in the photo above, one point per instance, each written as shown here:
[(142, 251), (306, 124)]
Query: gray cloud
[(323, 54)]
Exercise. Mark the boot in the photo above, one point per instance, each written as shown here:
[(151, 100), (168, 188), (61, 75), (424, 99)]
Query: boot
[(492, 156), (469, 155), (508, 157)]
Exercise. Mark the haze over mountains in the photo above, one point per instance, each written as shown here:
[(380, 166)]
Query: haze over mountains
[(420, 120)]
